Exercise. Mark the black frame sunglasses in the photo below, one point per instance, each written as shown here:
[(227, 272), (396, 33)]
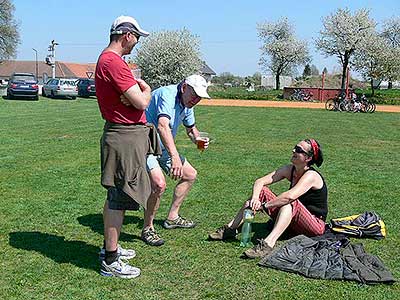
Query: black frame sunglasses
[(137, 36), (298, 149)]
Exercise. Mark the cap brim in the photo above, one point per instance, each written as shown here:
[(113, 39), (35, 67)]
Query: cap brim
[(143, 33), (201, 93)]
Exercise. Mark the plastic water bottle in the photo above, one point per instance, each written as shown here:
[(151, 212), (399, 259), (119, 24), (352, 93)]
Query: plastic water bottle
[(248, 218)]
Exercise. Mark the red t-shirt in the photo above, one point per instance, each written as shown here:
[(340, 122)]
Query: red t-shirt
[(113, 77)]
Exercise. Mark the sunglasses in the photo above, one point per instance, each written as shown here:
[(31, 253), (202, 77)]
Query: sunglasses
[(298, 149), (135, 35)]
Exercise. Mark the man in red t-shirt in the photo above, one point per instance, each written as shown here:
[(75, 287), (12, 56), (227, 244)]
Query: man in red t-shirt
[(124, 143)]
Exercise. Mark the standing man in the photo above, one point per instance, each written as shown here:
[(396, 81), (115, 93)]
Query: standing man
[(171, 106), (124, 143)]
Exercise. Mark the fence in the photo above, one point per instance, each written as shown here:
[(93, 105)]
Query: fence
[(317, 94)]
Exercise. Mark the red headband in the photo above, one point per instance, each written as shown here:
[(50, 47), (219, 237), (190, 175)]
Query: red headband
[(314, 147)]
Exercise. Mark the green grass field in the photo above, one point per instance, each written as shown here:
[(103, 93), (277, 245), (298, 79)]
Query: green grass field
[(50, 210)]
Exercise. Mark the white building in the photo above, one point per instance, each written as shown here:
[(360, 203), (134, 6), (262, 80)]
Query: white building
[(384, 84), (268, 81)]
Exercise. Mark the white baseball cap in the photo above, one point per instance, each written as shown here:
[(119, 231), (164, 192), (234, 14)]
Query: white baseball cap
[(124, 24), (199, 84)]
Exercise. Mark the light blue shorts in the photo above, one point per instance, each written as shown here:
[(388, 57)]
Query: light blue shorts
[(163, 162)]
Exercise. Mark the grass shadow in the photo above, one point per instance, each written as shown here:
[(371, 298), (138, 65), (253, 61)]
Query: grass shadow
[(57, 248), (19, 99), (95, 223), (261, 230)]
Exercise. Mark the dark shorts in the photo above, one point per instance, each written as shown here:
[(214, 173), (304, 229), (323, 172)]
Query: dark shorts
[(124, 149), (118, 200)]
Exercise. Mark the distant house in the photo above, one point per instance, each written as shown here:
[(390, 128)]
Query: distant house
[(269, 81), (207, 72), (63, 69), (384, 84)]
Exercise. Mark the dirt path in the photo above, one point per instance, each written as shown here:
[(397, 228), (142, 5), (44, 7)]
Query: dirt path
[(260, 103)]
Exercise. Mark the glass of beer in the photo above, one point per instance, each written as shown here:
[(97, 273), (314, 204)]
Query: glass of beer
[(201, 140)]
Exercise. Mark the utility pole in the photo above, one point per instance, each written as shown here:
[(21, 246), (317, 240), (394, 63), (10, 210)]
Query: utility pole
[(37, 78), (51, 58)]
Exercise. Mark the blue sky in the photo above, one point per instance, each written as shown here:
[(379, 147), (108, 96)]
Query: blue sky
[(227, 29)]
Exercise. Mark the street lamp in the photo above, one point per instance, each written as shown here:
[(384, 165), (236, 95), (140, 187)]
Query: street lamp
[(37, 78)]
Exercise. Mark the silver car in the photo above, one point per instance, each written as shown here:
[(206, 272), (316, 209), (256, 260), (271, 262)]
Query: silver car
[(60, 87)]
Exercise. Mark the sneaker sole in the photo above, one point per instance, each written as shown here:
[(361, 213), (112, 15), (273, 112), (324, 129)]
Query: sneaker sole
[(125, 276), (159, 243), (126, 257), (167, 226), (213, 238), (251, 256)]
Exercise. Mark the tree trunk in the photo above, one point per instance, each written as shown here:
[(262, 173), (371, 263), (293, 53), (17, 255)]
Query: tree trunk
[(390, 84), (372, 87), (344, 71), (277, 81)]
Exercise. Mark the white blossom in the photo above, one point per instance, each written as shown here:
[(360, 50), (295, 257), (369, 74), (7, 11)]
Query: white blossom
[(378, 60), (344, 33), (167, 57), (9, 31), (281, 50), (391, 31)]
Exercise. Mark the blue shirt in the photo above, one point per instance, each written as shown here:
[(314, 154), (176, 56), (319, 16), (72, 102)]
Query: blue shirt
[(166, 102)]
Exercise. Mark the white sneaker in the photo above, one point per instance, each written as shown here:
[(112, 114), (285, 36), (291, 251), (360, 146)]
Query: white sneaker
[(119, 269), (122, 253)]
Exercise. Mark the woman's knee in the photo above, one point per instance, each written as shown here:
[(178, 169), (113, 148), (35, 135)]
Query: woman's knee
[(286, 211)]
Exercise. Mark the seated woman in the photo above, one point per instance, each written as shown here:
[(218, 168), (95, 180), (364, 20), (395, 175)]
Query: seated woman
[(302, 209)]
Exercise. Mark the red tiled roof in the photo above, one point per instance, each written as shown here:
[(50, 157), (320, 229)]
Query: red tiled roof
[(63, 69), (81, 70)]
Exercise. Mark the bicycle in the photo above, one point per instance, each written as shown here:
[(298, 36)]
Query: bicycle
[(332, 104), (300, 95), (367, 106)]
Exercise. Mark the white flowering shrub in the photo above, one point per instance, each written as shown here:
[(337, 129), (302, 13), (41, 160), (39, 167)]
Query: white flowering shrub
[(9, 35), (378, 57), (372, 58), (391, 31), (281, 50), (167, 57), (344, 33)]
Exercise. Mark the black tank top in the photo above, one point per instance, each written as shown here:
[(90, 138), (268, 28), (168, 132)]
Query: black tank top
[(316, 201)]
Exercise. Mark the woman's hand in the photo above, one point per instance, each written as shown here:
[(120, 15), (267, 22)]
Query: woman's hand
[(255, 204)]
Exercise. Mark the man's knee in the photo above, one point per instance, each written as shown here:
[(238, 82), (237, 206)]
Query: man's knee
[(193, 175), (190, 173), (159, 186), (158, 183)]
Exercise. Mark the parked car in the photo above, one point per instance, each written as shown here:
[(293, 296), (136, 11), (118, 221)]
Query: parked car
[(86, 87), (60, 87), (23, 85)]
